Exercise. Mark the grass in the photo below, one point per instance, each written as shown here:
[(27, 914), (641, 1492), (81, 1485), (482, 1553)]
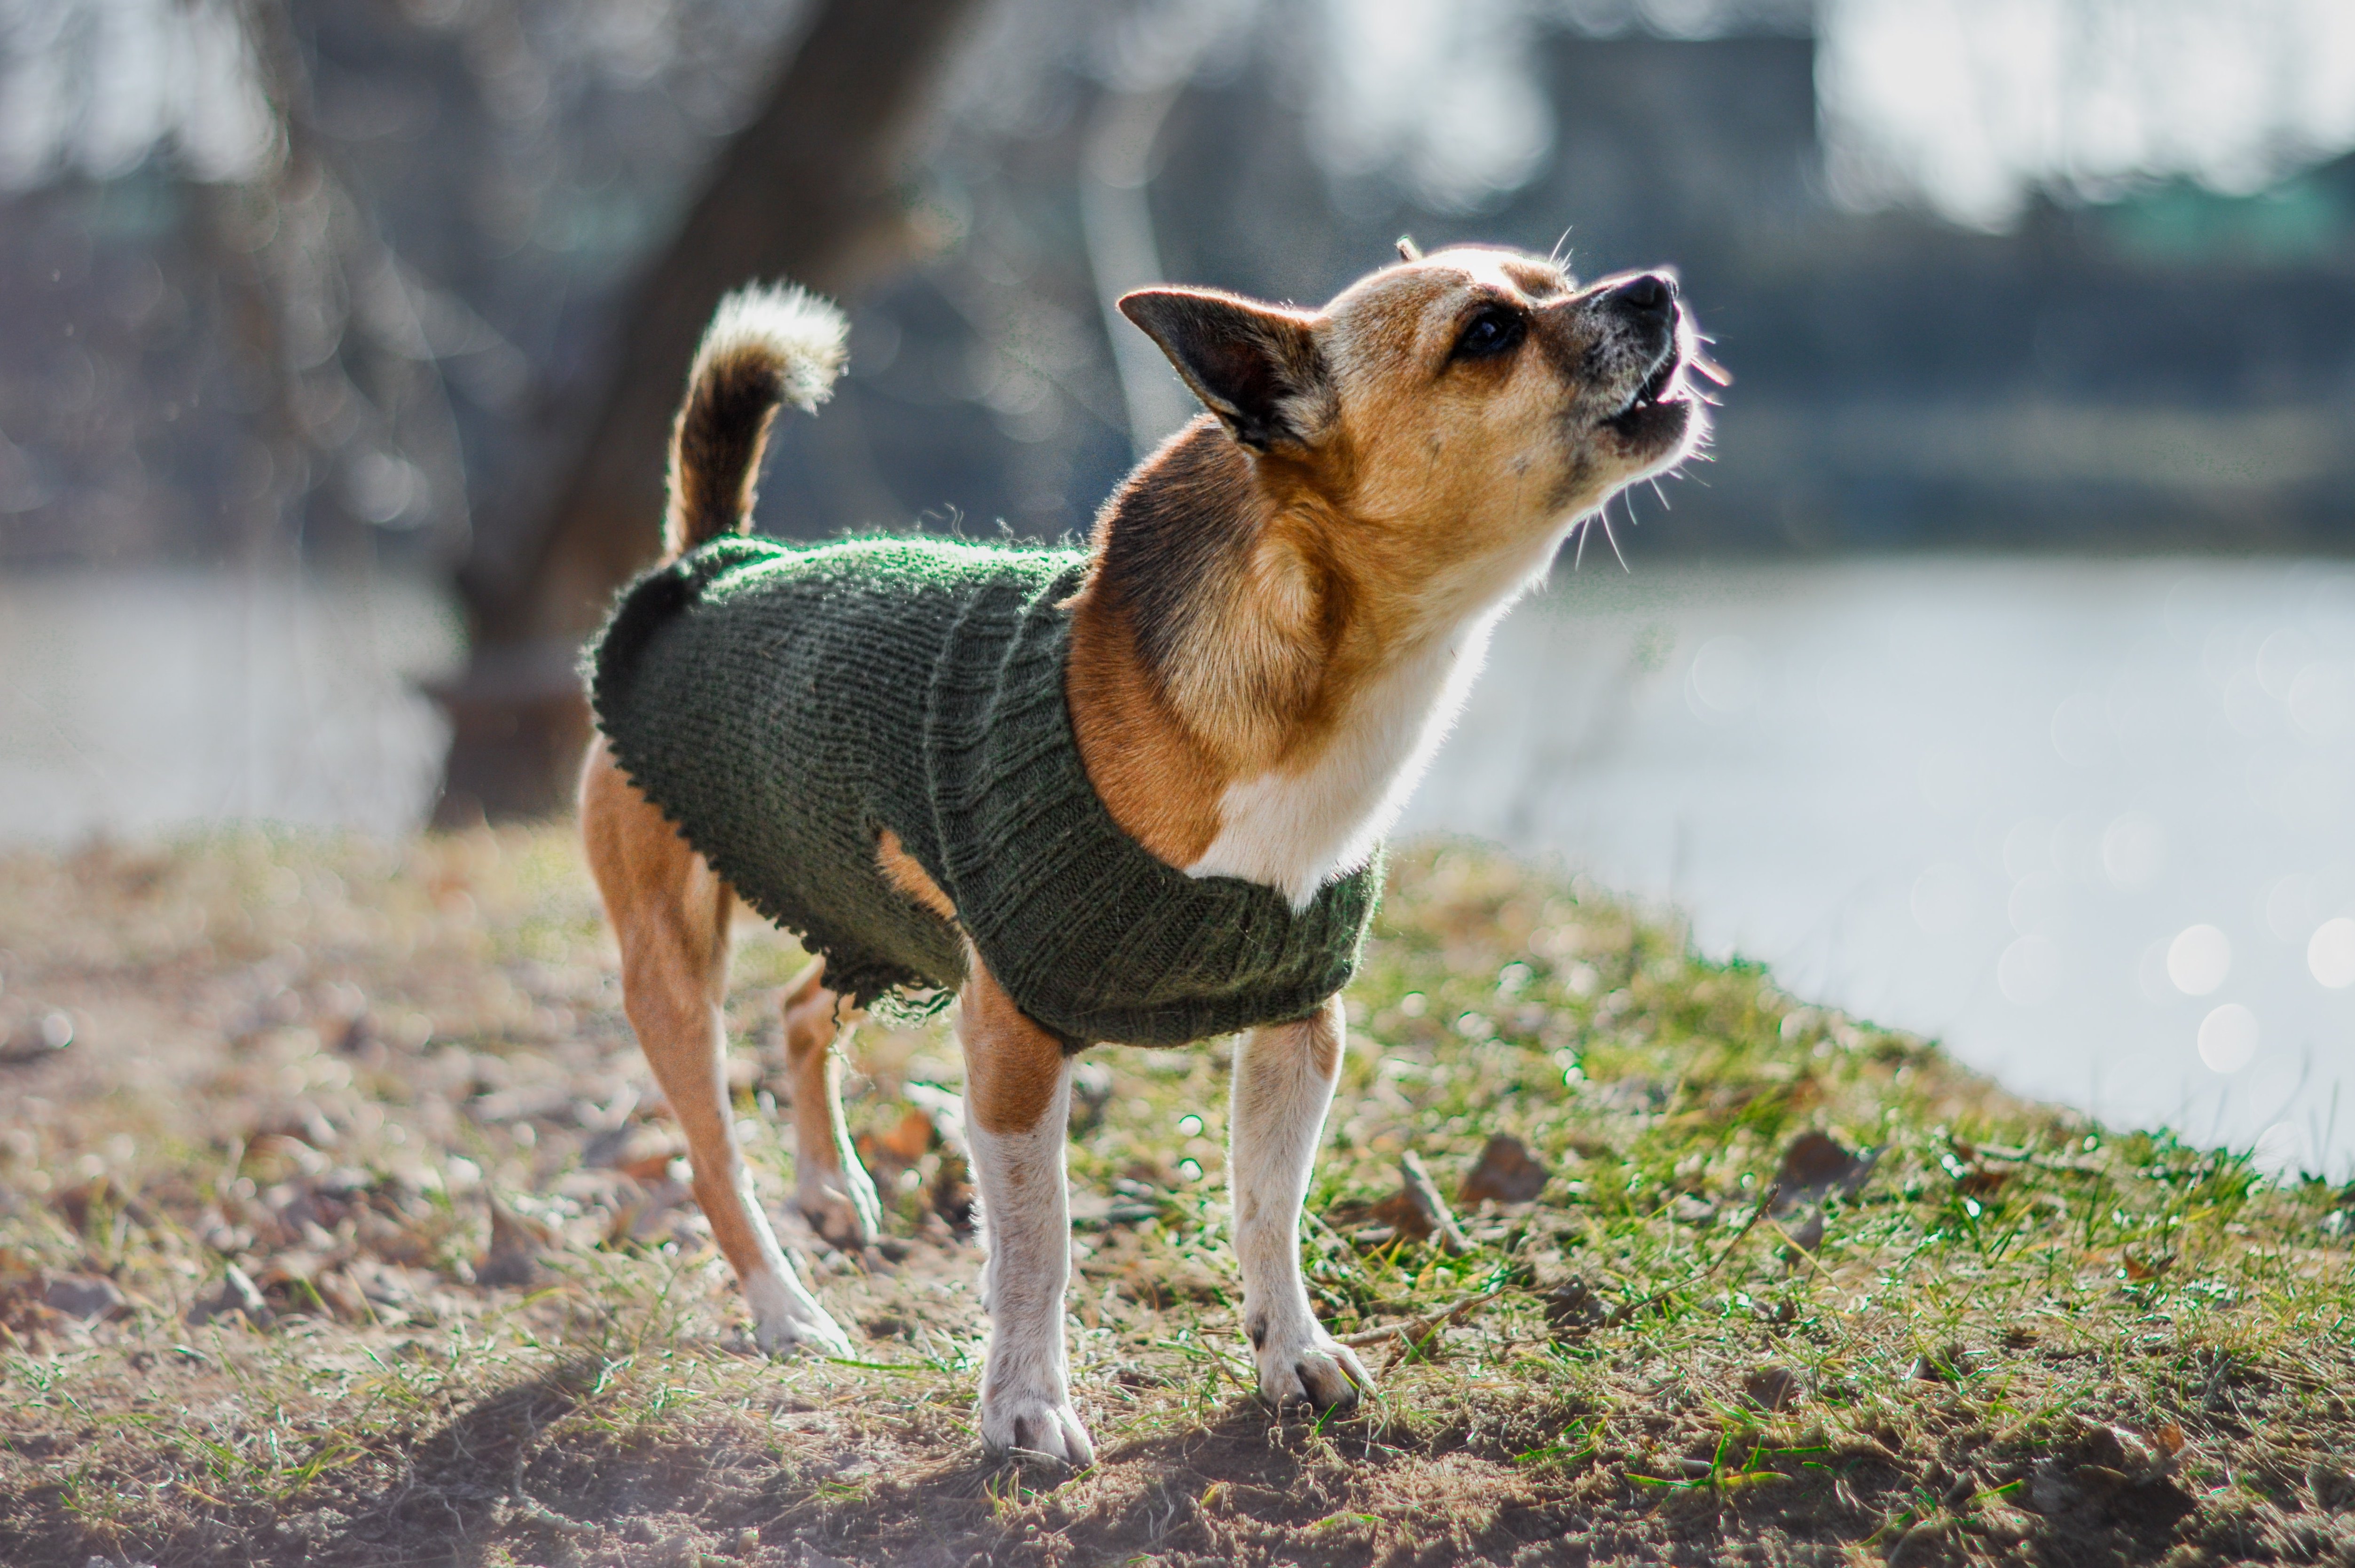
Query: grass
[(2021, 1337)]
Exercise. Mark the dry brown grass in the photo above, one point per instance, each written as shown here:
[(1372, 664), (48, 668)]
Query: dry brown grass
[(392, 1089)]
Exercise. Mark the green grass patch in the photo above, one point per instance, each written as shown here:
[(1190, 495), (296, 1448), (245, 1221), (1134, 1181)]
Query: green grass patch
[(1964, 1327)]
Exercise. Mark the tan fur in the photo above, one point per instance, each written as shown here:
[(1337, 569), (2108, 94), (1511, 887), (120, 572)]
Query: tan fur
[(813, 1023), (903, 871), (1011, 1064), (1157, 781), (671, 914), (1291, 587), (1420, 463)]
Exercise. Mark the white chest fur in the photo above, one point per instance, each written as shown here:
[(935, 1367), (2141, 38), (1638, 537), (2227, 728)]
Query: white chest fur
[(1293, 829)]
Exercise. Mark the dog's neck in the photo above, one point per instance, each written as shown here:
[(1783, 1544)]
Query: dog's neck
[(1254, 688)]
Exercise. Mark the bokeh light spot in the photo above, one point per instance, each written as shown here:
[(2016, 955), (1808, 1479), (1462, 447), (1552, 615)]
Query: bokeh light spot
[(2332, 953), (2199, 959), (2228, 1038)]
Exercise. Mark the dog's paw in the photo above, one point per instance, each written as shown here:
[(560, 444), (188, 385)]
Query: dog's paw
[(787, 1320), (1039, 1425), (1313, 1370), (841, 1206)]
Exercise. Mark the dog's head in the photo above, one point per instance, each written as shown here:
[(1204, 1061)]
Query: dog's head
[(1467, 406)]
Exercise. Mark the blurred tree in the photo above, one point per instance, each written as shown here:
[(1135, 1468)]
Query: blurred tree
[(810, 189)]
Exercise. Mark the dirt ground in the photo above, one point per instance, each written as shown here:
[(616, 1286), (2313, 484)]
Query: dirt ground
[(340, 1224)]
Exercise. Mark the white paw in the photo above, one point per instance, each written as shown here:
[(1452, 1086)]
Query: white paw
[(1039, 1423), (1309, 1367), (840, 1205), (787, 1319)]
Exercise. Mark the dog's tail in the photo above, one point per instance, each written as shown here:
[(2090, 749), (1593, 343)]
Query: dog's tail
[(766, 345)]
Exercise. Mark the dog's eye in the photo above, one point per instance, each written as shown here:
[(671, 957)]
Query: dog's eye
[(1493, 332)]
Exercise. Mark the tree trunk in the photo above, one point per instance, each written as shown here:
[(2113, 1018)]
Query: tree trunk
[(810, 191)]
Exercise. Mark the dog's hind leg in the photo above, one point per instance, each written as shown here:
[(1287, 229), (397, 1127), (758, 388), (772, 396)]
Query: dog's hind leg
[(831, 1188), (1018, 1099), (1284, 1082), (670, 912)]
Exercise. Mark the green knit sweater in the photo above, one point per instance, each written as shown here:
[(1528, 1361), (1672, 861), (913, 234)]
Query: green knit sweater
[(784, 706)]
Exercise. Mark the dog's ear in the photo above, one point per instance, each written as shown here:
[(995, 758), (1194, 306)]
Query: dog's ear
[(1255, 365)]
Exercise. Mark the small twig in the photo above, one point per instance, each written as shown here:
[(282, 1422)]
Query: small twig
[(1621, 1314), (1417, 1329)]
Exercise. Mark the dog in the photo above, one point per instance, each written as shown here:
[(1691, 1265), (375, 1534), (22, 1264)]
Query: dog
[(1276, 618)]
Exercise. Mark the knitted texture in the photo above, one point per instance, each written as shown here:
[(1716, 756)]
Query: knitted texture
[(783, 706)]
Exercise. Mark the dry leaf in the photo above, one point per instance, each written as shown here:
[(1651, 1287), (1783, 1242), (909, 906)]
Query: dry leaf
[(1416, 1211), (1814, 1167), (1770, 1388), (1507, 1172), (909, 1140), (653, 1166), (517, 1244)]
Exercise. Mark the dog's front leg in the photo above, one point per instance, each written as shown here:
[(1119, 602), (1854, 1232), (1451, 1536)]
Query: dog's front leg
[(1018, 1088), (1284, 1082)]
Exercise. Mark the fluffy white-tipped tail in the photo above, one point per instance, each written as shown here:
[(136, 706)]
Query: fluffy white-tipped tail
[(767, 345)]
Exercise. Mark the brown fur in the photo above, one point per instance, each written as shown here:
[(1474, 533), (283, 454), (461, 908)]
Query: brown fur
[(816, 1024), (1011, 1065), (905, 872), (670, 914), (716, 446), (1242, 596)]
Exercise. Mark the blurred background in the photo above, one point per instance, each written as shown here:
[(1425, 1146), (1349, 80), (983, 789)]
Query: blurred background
[(1996, 678)]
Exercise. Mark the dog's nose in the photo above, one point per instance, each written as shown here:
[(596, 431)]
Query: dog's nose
[(1649, 298)]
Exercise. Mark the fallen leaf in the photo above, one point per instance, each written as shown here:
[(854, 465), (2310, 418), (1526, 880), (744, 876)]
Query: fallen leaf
[(1770, 1388), (1808, 1234), (953, 1196), (909, 1139), (1814, 1167), (1507, 1172), (1572, 1307), (651, 1166), (644, 1213), (517, 1244), (1416, 1211), (630, 1145), (24, 1315)]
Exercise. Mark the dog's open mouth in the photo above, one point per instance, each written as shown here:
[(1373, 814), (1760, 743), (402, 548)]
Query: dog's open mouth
[(1664, 385)]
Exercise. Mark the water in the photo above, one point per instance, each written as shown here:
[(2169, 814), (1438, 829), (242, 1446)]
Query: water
[(2082, 821), (146, 702), (2076, 819)]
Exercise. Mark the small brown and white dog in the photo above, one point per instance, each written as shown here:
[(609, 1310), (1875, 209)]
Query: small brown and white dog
[(1284, 607)]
